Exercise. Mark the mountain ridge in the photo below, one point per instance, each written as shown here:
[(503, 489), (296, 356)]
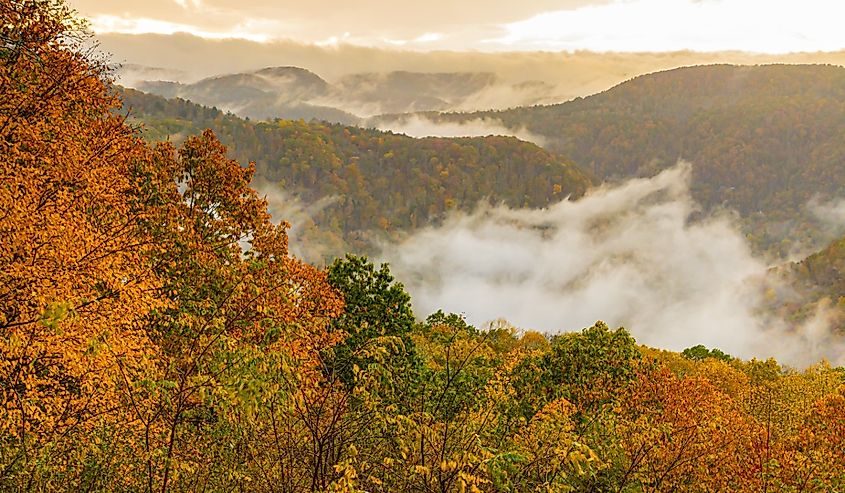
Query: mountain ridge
[(373, 185), (764, 140), (293, 92)]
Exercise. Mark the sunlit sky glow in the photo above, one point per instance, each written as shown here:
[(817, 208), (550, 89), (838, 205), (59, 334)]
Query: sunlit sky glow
[(763, 26)]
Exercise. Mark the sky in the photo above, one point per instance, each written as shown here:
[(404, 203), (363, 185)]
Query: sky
[(758, 26)]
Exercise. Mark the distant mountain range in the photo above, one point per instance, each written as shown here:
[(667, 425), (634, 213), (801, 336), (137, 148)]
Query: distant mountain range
[(296, 93), (767, 142), (763, 140)]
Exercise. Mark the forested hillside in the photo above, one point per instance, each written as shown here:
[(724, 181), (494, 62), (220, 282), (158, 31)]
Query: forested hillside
[(763, 140), (820, 283), (826, 270), (374, 182)]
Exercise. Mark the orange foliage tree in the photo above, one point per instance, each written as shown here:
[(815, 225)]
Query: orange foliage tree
[(678, 434), (72, 274), (148, 305)]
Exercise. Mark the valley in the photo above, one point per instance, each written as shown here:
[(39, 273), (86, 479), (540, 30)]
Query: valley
[(440, 247)]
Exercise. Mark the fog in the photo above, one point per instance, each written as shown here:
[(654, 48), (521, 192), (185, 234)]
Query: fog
[(574, 74), (419, 126), (831, 214), (299, 215), (395, 92), (627, 255), (132, 75)]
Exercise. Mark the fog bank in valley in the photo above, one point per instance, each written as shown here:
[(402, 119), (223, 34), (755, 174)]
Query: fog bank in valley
[(627, 255), (420, 126), (831, 214), (284, 206)]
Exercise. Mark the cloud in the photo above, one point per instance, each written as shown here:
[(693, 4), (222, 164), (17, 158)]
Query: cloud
[(760, 26), (283, 206), (419, 126), (574, 74), (600, 25), (830, 213), (436, 24), (142, 25), (627, 255)]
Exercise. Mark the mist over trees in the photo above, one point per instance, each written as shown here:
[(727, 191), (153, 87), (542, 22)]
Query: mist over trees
[(374, 184), (156, 334), (764, 141)]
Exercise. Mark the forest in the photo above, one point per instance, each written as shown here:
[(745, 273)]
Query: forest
[(820, 279), (156, 334), (763, 140), (377, 184)]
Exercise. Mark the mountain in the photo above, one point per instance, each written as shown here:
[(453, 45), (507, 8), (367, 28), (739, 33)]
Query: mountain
[(277, 92), (294, 93), (346, 188), (289, 83), (763, 140), (402, 91)]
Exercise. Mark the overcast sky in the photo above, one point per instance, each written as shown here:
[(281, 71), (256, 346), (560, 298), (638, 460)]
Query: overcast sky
[(762, 26)]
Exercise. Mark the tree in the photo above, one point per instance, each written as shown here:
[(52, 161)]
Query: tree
[(784, 410), (73, 280), (678, 434), (377, 313), (589, 368), (243, 325), (434, 437), (700, 352), (153, 327)]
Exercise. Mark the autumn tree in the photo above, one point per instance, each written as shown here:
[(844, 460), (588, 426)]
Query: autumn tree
[(377, 311), (433, 443), (243, 324), (821, 444), (678, 434), (73, 280), (787, 408), (152, 325)]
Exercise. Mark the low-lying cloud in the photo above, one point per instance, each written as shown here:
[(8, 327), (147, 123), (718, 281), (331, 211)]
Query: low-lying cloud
[(284, 206), (420, 126), (628, 255), (830, 213), (578, 73)]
